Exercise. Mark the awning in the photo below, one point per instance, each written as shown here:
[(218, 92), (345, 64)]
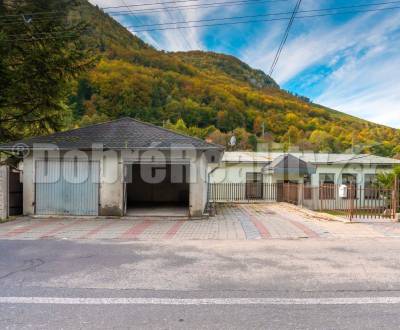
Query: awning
[(289, 164)]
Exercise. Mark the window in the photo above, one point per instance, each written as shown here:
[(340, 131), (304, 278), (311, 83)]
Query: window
[(254, 185), (326, 186), (370, 189), (253, 177), (326, 178), (350, 180)]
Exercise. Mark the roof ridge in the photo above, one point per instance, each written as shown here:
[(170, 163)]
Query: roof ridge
[(134, 127), (171, 131), (72, 129)]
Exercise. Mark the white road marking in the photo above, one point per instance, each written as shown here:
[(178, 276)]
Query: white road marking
[(201, 301)]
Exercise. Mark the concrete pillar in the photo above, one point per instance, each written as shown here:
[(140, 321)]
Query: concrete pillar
[(28, 175), (3, 192), (198, 186), (111, 185)]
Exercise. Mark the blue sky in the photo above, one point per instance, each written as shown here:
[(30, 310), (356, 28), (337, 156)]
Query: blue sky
[(347, 62)]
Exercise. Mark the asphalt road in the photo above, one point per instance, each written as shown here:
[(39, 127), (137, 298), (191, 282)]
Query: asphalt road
[(275, 284)]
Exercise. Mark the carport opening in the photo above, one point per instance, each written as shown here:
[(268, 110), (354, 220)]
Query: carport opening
[(157, 189)]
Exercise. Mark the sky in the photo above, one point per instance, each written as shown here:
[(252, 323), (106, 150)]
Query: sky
[(349, 62)]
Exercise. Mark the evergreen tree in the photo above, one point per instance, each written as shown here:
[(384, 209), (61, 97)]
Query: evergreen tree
[(40, 53)]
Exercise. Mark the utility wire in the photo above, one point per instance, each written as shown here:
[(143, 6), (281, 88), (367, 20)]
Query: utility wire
[(149, 4), (243, 22), (246, 16), (260, 15), (267, 20), (133, 14), (199, 6), (11, 18), (50, 13), (285, 36)]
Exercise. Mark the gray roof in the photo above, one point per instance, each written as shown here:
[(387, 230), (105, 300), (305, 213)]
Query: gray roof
[(289, 164), (309, 157), (124, 133)]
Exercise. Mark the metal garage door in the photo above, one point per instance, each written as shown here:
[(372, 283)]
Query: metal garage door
[(67, 187)]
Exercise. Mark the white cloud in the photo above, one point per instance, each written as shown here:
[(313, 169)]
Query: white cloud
[(362, 55)]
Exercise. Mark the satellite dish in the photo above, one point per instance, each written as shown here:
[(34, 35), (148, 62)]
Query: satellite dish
[(232, 141)]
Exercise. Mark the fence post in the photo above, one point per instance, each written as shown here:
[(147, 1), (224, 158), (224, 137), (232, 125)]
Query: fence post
[(300, 194), (351, 202), (395, 197)]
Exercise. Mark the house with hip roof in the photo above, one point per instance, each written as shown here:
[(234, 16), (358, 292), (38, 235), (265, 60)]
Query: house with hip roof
[(118, 168)]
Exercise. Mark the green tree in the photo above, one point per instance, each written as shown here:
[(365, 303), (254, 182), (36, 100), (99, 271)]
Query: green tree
[(39, 58), (385, 180)]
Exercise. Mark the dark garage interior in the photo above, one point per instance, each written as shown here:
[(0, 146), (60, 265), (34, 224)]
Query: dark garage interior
[(157, 189)]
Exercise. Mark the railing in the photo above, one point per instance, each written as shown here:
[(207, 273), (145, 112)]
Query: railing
[(359, 202), (243, 192)]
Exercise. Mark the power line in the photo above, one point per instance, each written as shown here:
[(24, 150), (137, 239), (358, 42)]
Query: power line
[(260, 15), (285, 36), (242, 17), (266, 20), (133, 14), (249, 21), (206, 5), (199, 6), (149, 4)]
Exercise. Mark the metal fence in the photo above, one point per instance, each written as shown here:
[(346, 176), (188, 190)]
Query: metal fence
[(243, 192), (359, 202)]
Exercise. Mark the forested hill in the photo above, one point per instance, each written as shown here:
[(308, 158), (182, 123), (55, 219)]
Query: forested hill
[(208, 95)]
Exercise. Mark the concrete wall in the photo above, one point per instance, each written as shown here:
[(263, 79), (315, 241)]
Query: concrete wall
[(111, 184), (28, 176), (3, 192)]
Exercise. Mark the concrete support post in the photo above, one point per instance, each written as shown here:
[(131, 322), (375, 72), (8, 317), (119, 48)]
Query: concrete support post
[(3, 192)]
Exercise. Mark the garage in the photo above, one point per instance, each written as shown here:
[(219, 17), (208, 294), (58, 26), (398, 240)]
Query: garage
[(67, 187), (153, 189), (84, 171)]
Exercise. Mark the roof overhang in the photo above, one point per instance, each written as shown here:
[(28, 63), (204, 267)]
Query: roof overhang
[(289, 164)]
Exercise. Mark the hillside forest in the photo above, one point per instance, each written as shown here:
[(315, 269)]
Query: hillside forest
[(95, 70)]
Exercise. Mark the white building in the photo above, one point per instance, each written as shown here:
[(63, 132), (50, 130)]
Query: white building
[(308, 168)]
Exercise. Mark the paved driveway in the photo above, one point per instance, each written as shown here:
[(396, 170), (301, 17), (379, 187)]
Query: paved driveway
[(233, 222)]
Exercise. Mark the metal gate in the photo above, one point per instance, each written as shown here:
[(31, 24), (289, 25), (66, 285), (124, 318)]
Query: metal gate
[(69, 187), (288, 192)]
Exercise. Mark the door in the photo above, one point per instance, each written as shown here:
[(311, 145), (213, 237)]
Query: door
[(287, 191), (67, 187), (254, 185)]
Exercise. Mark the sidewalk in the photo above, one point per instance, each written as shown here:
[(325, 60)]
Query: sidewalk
[(232, 222)]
